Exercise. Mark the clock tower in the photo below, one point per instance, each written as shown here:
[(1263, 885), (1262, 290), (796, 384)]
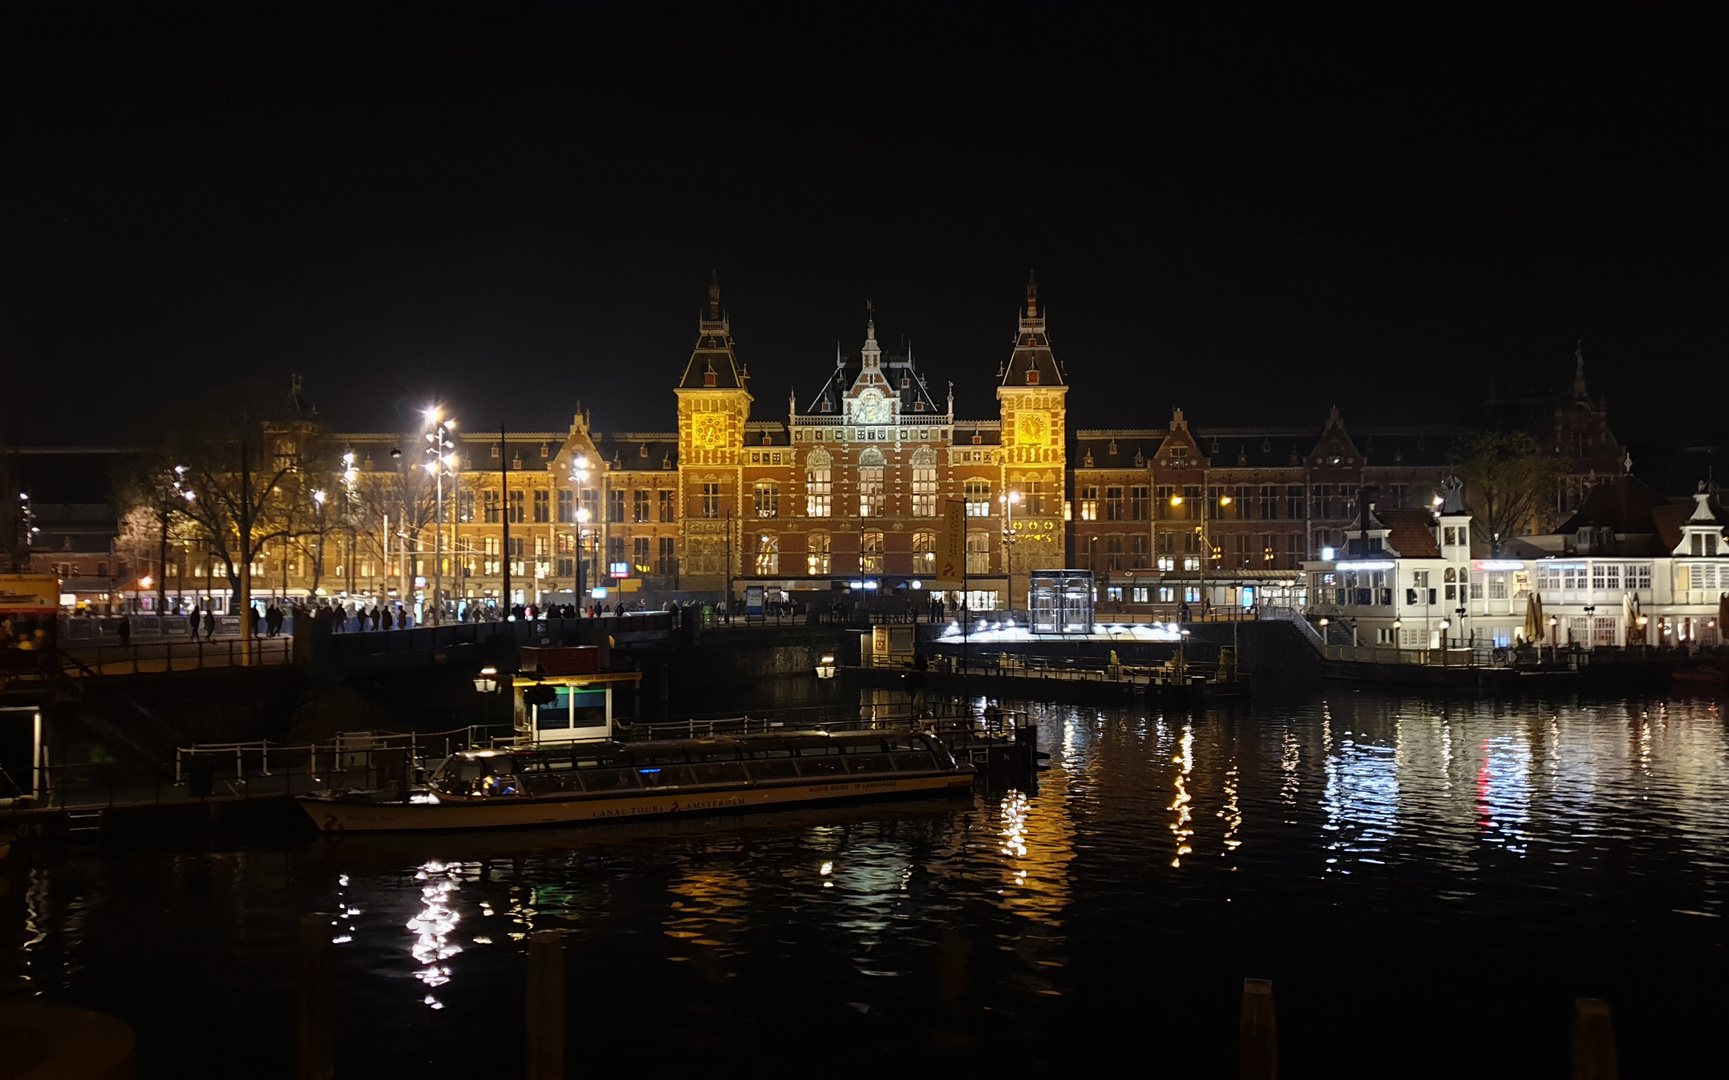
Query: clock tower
[(713, 406), (1031, 396)]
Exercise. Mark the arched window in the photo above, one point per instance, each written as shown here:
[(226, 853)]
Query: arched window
[(924, 482), (924, 552), (767, 554), (870, 553), (816, 547), (870, 483), (978, 552), (819, 483)]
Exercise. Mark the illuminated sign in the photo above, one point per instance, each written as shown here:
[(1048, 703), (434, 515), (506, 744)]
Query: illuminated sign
[(618, 569), (1499, 564), (1365, 564)]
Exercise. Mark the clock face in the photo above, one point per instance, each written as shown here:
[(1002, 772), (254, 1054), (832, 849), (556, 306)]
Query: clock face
[(1034, 427), (871, 408), (709, 430)]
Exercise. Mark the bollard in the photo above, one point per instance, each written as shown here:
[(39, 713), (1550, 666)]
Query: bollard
[(317, 1014), (1593, 1041), (1258, 1033), (545, 1005)]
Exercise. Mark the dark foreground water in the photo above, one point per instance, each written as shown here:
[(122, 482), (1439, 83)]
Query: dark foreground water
[(1429, 884)]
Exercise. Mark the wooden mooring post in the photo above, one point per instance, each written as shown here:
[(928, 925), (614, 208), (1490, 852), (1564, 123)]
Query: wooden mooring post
[(1593, 1041), (317, 1011), (545, 1005), (1258, 1033)]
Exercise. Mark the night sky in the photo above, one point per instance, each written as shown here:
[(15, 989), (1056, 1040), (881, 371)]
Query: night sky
[(1251, 214)]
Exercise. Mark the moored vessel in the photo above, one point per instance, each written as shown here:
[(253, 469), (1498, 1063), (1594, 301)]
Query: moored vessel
[(573, 783)]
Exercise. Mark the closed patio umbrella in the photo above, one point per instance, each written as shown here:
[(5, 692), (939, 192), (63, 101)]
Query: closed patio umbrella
[(1533, 619), (1630, 613), (1722, 615)]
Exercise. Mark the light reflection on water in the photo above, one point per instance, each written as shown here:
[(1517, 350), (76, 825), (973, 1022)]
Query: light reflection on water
[(1531, 852)]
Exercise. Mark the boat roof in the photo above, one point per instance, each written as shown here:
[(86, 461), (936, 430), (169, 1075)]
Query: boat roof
[(713, 742)]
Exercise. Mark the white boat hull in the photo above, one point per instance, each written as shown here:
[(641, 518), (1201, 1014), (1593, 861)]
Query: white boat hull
[(336, 815)]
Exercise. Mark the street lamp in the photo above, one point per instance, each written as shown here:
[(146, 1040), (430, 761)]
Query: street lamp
[(1009, 500), (439, 461), (579, 477)]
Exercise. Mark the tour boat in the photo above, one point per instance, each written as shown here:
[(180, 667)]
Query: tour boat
[(574, 783)]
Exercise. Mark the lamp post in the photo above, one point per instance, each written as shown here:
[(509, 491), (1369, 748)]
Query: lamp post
[(579, 477), (439, 460), (1008, 500), (1206, 541)]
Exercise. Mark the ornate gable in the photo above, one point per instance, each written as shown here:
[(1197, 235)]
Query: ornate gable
[(1335, 450), (1179, 449)]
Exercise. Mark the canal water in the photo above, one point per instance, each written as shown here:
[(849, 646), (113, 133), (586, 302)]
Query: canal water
[(1429, 883)]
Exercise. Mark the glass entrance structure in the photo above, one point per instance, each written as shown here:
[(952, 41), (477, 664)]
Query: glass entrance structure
[(1061, 601)]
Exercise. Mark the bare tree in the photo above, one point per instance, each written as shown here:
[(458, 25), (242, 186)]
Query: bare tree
[(1507, 480), (251, 464)]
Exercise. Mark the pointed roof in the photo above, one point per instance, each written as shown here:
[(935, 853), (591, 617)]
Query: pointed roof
[(713, 364), (1032, 364), (895, 375)]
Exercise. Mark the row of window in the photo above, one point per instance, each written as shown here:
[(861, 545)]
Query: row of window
[(819, 553), (872, 496), (1219, 502)]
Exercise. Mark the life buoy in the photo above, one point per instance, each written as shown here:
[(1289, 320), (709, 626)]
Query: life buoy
[(331, 824), (1500, 656)]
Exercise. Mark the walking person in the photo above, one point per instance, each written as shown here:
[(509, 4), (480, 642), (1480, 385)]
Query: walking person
[(209, 624), (125, 631), (192, 622)]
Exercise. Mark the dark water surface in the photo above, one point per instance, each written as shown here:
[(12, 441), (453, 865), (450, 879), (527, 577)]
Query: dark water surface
[(1428, 882)]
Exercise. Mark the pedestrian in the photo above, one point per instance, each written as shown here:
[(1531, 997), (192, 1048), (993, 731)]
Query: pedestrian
[(385, 616), (209, 625), (192, 622), (125, 629)]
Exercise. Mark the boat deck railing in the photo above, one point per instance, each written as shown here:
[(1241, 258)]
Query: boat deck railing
[(941, 718)]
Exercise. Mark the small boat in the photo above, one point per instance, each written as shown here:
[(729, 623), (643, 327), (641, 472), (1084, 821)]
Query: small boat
[(575, 783)]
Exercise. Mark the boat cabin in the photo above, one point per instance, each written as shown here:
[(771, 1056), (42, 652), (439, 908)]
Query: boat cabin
[(623, 767)]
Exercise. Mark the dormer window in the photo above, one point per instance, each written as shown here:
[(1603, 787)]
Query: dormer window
[(905, 382), (495, 451), (642, 450), (545, 451), (918, 406), (516, 462), (708, 378), (1032, 376), (827, 406)]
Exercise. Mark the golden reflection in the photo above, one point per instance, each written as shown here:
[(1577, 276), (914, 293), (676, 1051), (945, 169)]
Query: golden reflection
[(1290, 781), (1180, 805), (707, 910), (434, 924), (1232, 812)]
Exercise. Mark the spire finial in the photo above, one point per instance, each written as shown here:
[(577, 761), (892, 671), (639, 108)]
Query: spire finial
[(1579, 369), (1032, 296), (714, 296)]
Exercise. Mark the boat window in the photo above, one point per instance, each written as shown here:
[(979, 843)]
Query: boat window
[(663, 775), (770, 752), (918, 761), (717, 753), (608, 779), (869, 763), (903, 742), (781, 767), (862, 746), (818, 750), (718, 772), (820, 766), (657, 757)]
